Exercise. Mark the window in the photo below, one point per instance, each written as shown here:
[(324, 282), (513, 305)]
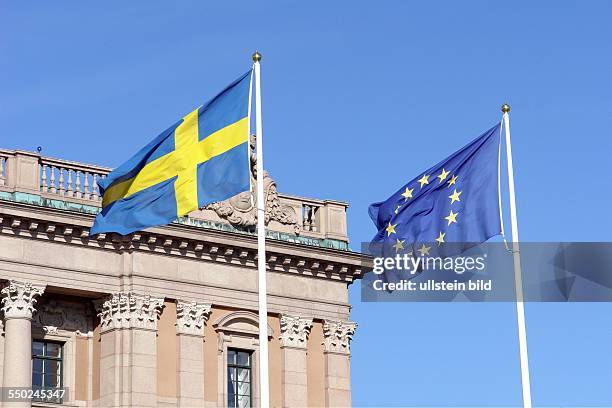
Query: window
[(47, 367), (239, 378)]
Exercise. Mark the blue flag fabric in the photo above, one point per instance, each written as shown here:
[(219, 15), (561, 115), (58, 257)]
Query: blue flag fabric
[(202, 158), (455, 201)]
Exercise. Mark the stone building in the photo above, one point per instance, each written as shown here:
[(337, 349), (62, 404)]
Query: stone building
[(168, 316)]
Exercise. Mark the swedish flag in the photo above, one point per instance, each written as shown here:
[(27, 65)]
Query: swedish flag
[(201, 159)]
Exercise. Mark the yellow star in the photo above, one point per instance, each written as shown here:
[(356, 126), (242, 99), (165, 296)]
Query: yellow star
[(442, 176), (424, 250), (440, 239), (399, 245), (455, 196), (391, 228), (408, 193), (397, 208), (452, 181), (452, 217), (424, 180)]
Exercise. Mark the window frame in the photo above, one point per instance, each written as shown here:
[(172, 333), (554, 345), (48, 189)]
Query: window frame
[(44, 358), (236, 366)]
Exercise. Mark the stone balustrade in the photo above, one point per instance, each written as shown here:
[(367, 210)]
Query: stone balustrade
[(74, 182), (70, 179)]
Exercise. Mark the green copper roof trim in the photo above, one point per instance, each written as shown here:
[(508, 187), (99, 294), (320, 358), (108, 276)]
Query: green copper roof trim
[(35, 199)]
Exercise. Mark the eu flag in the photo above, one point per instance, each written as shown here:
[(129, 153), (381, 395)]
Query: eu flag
[(455, 201), (201, 159)]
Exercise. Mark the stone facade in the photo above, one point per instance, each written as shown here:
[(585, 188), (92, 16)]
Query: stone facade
[(150, 319)]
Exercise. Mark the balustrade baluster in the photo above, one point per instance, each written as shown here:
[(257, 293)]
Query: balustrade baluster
[(313, 218), (95, 187), (69, 186), (43, 177), (52, 188), (77, 183), (61, 181), (86, 190), (1, 171), (306, 210)]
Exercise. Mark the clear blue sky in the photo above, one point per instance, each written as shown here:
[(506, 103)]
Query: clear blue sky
[(359, 97)]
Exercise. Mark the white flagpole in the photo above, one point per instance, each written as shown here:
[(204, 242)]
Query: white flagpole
[(518, 279), (264, 382)]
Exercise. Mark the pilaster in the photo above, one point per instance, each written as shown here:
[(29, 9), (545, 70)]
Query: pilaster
[(191, 319), (293, 339), (336, 342), (128, 360)]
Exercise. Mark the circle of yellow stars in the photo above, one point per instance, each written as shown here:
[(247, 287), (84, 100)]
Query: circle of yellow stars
[(451, 218)]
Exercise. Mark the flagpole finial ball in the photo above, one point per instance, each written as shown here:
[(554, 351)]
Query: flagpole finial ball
[(505, 108), (256, 56)]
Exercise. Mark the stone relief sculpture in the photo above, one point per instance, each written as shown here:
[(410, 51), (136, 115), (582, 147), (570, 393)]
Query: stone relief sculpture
[(241, 210), (54, 315)]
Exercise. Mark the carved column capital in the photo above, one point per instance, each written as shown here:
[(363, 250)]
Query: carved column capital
[(294, 331), (191, 317), (130, 310), (338, 336), (18, 299)]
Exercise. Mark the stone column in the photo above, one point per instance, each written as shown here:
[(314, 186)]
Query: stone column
[(191, 318), (18, 306), (294, 335), (128, 352), (337, 340)]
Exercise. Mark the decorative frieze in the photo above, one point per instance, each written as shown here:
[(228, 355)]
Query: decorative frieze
[(294, 331), (191, 317), (130, 310), (18, 299), (338, 336), (64, 315)]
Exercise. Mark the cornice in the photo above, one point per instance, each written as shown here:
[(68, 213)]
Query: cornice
[(67, 228)]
